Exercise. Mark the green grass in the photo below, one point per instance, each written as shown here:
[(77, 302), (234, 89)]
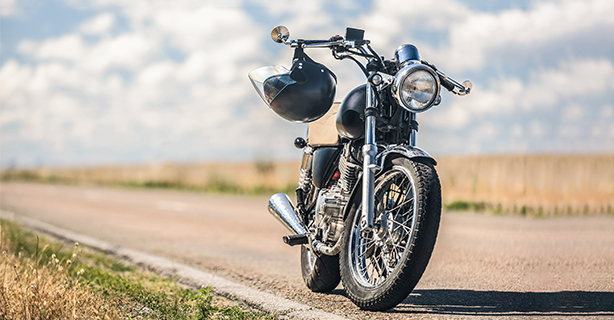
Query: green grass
[(131, 292), (460, 205), (214, 186)]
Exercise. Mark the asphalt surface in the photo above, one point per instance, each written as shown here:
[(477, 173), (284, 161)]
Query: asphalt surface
[(482, 267)]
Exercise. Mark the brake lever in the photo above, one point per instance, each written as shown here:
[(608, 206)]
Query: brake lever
[(460, 89), (451, 84)]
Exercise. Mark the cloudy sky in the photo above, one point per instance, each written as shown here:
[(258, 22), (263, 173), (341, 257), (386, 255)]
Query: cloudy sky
[(141, 81)]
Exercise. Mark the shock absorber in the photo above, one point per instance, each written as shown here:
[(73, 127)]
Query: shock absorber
[(305, 180)]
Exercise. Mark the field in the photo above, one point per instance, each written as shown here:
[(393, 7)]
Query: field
[(532, 185)]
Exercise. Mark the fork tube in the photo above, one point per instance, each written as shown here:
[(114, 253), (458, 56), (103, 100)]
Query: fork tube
[(412, 133), (369, 150)]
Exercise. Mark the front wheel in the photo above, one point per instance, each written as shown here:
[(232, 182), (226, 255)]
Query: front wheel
[(380, 267)]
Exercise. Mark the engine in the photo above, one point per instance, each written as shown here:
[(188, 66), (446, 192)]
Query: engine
[(331, 201), (329, 214)]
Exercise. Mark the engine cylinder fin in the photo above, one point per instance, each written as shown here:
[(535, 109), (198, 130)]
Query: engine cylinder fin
[(349, 171)]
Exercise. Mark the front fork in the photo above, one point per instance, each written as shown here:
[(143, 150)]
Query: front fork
[(369, 151), (369, 166)]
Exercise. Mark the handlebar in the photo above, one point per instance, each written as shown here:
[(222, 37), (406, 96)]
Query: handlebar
[(280, 34), (333, 42), (453, 86), (449, 83)]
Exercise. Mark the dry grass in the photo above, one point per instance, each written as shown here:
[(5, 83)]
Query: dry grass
[(258, 177), (39, 280), (537, 185), (34, 289)]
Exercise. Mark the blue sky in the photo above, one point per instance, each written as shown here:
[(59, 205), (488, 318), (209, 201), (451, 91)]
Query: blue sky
[(141, 81)]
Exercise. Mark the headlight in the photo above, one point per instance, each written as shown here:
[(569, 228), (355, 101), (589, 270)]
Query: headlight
[(416, 87)]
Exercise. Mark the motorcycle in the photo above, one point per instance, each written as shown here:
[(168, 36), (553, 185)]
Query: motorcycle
[(369, 201)]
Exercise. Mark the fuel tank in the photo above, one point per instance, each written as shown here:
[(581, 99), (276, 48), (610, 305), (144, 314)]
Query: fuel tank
[(351, 114)]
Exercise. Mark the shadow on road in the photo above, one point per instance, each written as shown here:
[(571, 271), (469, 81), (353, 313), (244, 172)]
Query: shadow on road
[(492, 303)]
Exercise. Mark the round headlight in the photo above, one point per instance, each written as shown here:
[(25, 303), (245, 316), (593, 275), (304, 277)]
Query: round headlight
[(416, 87)]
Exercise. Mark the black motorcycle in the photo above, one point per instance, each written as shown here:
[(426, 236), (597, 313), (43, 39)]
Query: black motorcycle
[(368, 201)]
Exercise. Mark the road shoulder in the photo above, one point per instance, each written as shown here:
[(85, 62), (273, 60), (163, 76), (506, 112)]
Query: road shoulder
[(184, 274)]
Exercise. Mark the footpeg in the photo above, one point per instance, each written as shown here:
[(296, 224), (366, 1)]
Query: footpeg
[(295, 239)]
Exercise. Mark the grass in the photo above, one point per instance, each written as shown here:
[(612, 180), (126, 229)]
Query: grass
[(460, 205), (41, 279), (214, 186), (525, 185)]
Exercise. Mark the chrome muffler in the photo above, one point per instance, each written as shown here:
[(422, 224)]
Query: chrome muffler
[(281, 208)]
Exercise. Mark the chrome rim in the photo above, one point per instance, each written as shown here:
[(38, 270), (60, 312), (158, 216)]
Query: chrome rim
[(376, 254)]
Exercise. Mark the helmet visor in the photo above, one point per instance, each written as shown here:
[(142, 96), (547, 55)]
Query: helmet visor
[(270, 81)]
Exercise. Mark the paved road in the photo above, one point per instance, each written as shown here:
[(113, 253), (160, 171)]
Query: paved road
[(482, 266)]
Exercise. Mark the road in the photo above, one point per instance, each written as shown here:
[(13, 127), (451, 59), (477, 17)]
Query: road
[(482, 267)]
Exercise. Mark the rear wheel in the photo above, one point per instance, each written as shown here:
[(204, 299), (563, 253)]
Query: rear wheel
[(321, 273), (380, 267)]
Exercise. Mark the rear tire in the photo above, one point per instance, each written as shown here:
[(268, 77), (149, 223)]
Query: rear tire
[(380, 268), (321, 273)]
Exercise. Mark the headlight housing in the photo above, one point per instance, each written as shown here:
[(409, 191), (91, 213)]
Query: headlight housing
[(416, 87)]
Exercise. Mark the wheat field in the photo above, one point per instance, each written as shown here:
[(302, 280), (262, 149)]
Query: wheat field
[(524, 184)]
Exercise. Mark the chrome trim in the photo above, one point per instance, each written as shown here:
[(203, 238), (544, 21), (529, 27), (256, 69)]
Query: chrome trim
[(320, 247), (369, 151), (459, 89), (281, 208), (364, 241), (404, 73), (413, 132), (306, 178), (280, 34), (405, 150), (325, 44)]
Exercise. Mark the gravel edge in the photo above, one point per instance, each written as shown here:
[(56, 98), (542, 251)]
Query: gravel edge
[(284, 308)]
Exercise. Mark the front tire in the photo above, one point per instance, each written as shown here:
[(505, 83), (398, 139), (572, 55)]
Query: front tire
[(379, 268), (321, 273)]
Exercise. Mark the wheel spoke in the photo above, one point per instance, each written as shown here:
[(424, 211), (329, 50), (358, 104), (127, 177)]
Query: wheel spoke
[(402, 204), (400, 225), (367, 249), (373, 261)]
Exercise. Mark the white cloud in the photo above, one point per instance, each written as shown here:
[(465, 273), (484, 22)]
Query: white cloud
[(545, 89), (77, 94), (517, 130), (8, 8), (123, 92), (480, 35), (100, 24), (68, 47), (537, 129), (573, 113), (607, 111), (128, 50)]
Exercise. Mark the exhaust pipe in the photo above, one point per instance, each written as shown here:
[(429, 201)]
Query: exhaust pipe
[(281, 208)]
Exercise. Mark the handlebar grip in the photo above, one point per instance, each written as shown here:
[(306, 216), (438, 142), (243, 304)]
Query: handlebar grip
[(447, 84), (314, 41)]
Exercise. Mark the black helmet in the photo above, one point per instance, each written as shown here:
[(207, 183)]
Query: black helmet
[(303, 94)]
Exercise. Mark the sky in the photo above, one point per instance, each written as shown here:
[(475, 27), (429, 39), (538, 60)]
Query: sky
[(148, 81)]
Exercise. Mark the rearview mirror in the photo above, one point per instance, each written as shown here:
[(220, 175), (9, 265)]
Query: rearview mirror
[(280, 34), (467, 84)]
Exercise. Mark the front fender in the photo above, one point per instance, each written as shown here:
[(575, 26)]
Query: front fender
[(383, 159)]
